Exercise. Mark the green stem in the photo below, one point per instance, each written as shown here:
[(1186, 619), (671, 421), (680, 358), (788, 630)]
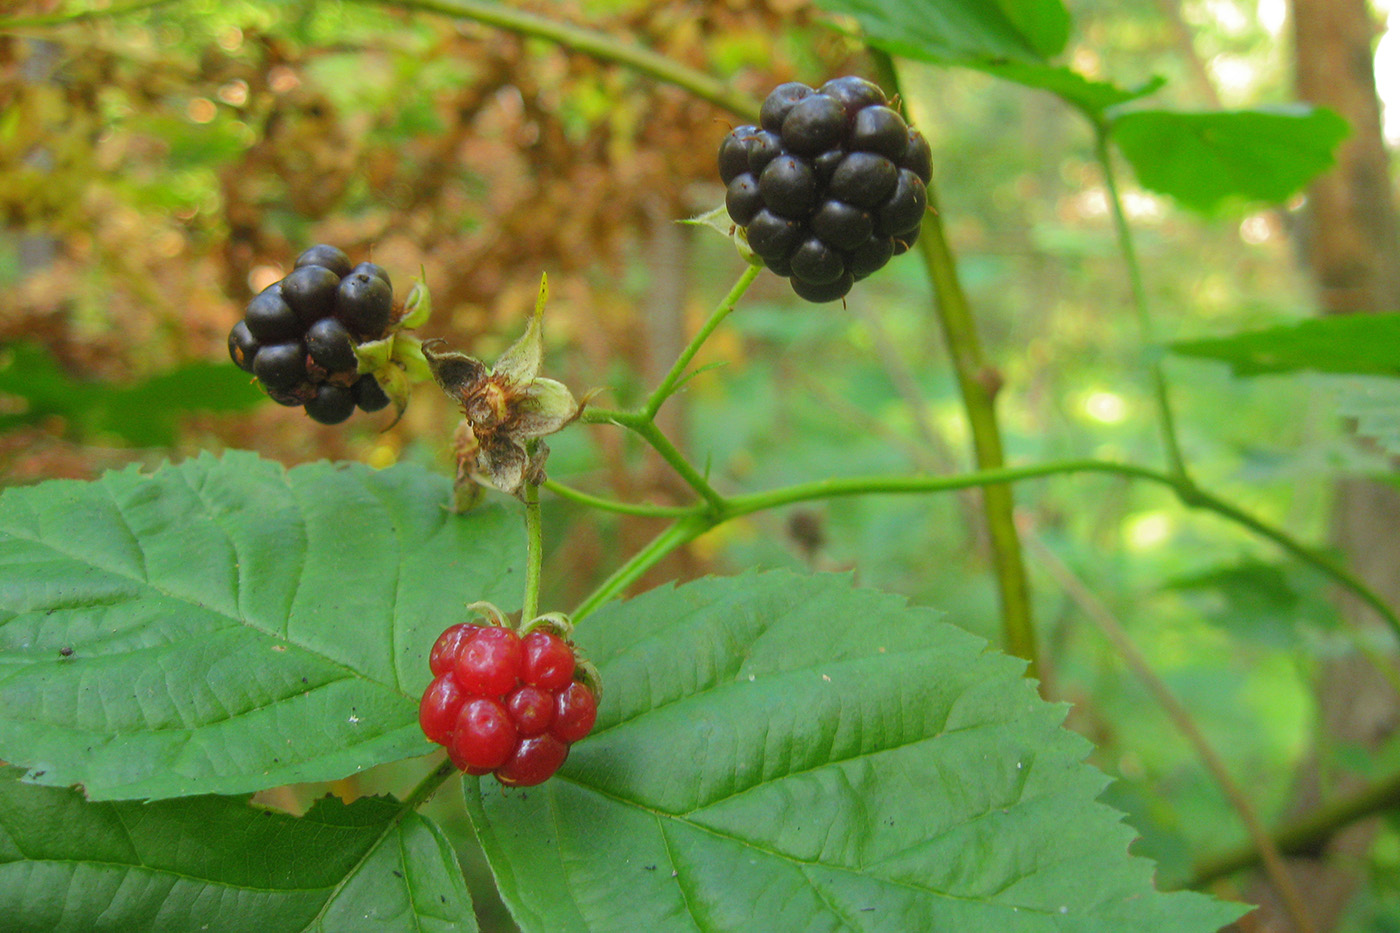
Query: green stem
[(643, 509), (1165, 418), (63, 19), (641, 424), (668, 384), (1306, 834), (696, 523), (590, 42), (979, 383), (534, 552), (426, 788), (677, 534)]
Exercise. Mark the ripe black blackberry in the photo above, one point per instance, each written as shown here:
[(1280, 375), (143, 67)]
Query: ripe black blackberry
[(298, 335), (829, 186)]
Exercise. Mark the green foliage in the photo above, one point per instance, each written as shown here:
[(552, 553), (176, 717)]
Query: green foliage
[(225, 625), (1375, 404), (776, 745), (1256, 600), (221, 864), (958, 32), (1205, 160), (144, 414), (1362, 344)]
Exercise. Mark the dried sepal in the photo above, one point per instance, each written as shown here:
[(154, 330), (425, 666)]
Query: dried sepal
[(506, 408)]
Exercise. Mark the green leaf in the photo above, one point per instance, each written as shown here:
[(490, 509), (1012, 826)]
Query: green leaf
[(1043, 23), (1375, 404), (227, 625), (780, 746), (956, 31), (1262, 601), (1090, 97), (144, 414), (1206, 159), (1364, 344), (221, 864)]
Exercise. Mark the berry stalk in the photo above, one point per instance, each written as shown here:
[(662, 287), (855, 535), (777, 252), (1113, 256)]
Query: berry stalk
[(534, 549)]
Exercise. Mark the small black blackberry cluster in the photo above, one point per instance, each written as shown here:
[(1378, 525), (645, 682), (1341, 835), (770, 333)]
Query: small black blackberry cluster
[(298, 336), (829, 187)]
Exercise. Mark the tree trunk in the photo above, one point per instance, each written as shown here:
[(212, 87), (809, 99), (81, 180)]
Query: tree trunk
[(1351, 243)]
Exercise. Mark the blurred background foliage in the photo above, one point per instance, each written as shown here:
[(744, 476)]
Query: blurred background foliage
[(159, 168)]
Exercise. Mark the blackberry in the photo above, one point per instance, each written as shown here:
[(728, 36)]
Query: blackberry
[(789, 187), (379, 272), (905, 208), (841, 225), (829, 291), (779, 101), (281, 366), (764, 147), (742, 198), (331, 404), (863, 179), (918, 158), (365, 302), (772, 236), (854, 93), (270, 319), (871, 256), (825, 164), (310, 291), (905, 241), (326, 256), (815, 263), (298, 336), (882, 131), (829, 186), (814, 125), (331, 346), (369, 395), (242, 346), (734, 153)]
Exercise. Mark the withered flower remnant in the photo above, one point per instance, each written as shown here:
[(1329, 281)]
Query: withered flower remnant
[(506, 409)]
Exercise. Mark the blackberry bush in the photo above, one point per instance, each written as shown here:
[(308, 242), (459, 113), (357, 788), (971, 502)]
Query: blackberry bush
[(829, 186)]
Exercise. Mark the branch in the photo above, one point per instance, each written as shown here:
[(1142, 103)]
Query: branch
[(1304, 835), (600, 45), (979, 384)]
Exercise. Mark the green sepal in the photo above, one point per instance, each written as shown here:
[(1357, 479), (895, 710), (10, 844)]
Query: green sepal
[(555, 623), (521, 362), (418, 306), (491, 613), (587, 674)]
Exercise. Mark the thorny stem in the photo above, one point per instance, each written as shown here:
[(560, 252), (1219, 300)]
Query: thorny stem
[(1126, 245)]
